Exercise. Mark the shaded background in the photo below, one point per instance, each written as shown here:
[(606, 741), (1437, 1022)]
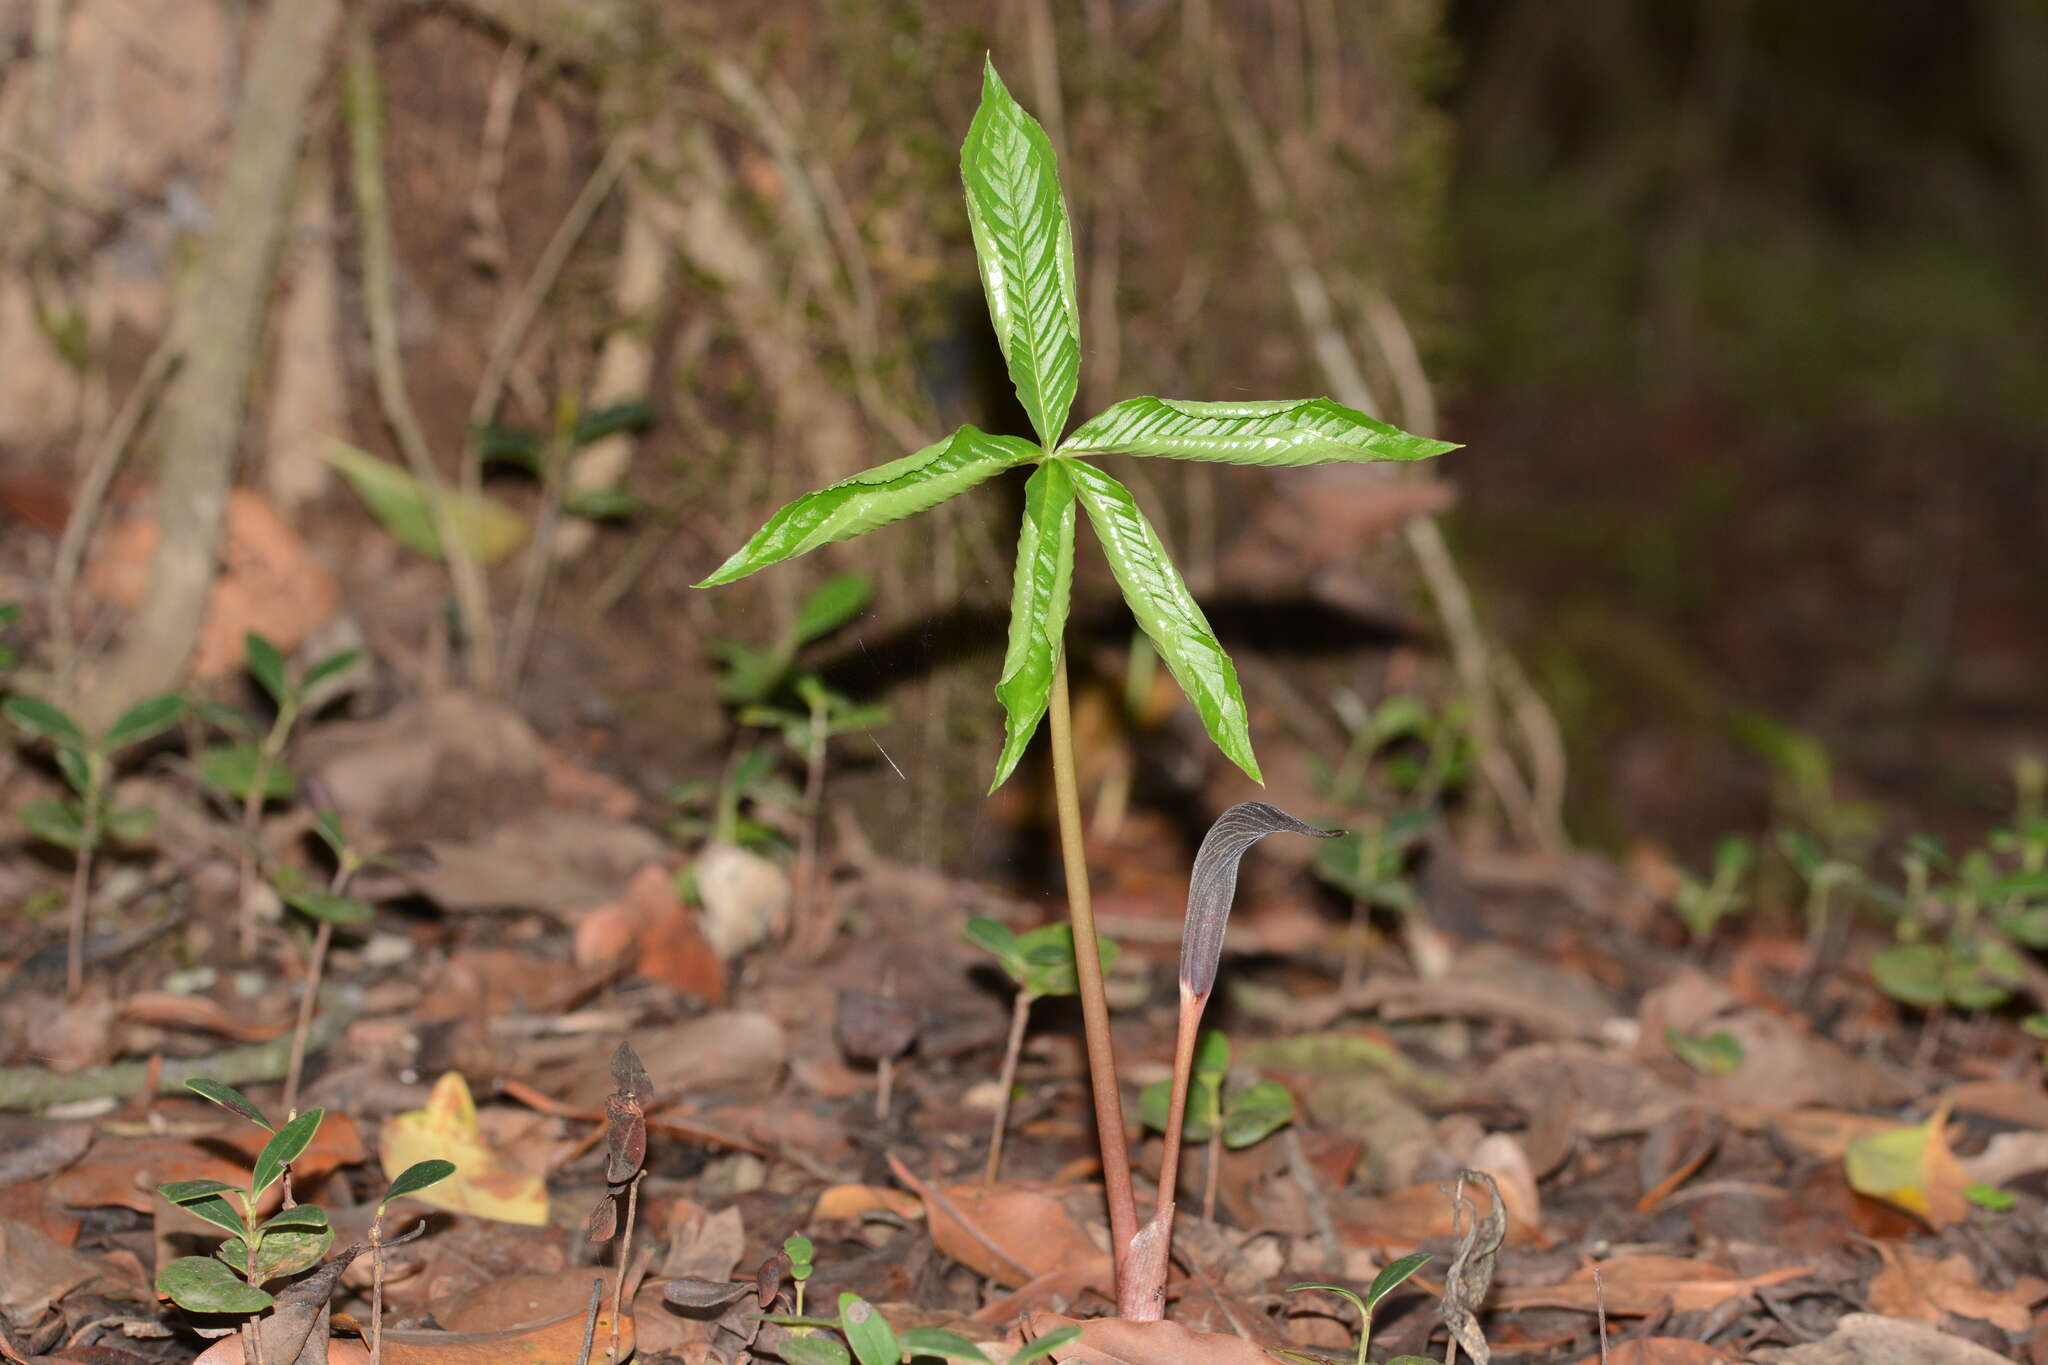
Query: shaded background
[(1736, 307)]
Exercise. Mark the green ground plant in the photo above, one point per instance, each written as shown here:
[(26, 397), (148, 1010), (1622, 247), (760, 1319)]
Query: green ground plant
[(251, 767), (1702, 905), (259, 1250), (1215, 1113), (1024, 249), (86, 819), (1390, 1278), (327, 909), (1040, 962)]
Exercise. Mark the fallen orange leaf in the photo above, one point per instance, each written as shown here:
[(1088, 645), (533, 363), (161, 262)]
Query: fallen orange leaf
[(1921, 1287)]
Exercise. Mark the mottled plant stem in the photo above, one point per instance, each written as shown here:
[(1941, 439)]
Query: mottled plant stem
[(1109, 1108)]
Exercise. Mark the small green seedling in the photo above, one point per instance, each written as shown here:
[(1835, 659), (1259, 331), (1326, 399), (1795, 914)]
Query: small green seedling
[(1216, 1115), (1702, 905), (545, 457), (83, 821), (800, 1251), (730, 810), (411, 1180), (326, 909), (875, 1342), (1041, 963), (251, 768), (1386, 1282), (1711, 1054), (1024, 247)]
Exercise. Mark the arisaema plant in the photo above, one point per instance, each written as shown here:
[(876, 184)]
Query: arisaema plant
[(1025, 251)]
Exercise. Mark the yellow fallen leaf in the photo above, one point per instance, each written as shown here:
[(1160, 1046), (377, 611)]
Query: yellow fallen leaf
[(1911, 1167), (447, 1129)]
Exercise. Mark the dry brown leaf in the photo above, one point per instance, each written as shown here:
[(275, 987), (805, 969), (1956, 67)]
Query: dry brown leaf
[(852, 1201), (1825, 1133), (1117, 1341), (1636, 1286), (1661, 1351), (36, 1271), (1011, 1233), (1868, 1339), (169, 1010), (1923, 1288)]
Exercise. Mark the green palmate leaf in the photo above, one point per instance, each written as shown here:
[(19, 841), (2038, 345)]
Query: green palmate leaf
[(283, 1149), (1289, 432), (875, 497), (42, 720), (1025, 250), (265, 663), (230, 1099), (56, 822), (144, 720), (838, 600), (232, 768), (204, 1285), (1167, 612), (868, 1332), (1038, 608)]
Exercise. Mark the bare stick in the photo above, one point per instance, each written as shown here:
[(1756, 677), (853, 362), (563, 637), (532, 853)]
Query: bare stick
[(590, 1323), (1020, 1013), (362, 104), (74, 948), (625, 1258)]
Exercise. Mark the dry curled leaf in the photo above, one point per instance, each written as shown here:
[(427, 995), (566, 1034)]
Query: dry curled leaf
[(1471, 1274)]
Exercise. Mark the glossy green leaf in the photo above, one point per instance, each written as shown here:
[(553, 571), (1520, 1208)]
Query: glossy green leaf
[(78, 769), (488, 527), (265, 663), (55, 822), (1025, 250), (996, 939), (278, 1254), (811, 1351), (798, 1248), (868, 1332), (233, 768), (417, 1177), (937, 1341), (875, 497), (203, 1285), (1044, 1346), (310, 1217), (1392, 1275), (1155, 1107), (1038, 608), (42, 720), (1045, 958), (1288, 432), (283, 1149), (1256, 1114), (144, 720), (130, 824), (338, 662), (230, 1099), (202, 1198), (1167, 613), (837, 600), (329, 906)]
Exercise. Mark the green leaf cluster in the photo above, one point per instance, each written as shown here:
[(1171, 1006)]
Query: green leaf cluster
[(251, 766), (1024, 251), (1041, 960), (1242, 1117), (1390, 1278), (84, 819), (294, 1239), (875, 1342)]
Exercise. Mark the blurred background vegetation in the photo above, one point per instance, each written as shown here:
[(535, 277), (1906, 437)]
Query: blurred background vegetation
[(1735, 305)]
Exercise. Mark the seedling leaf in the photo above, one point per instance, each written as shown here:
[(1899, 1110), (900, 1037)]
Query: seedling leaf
[(42, 720), (1392, 1275), (204, 1285), (55, 822), (229, 1098), (144, 720), (937, 1341), (996, 939), (337, 662), (488, 527), (1046, 1345), (1212, 1053), (297, 1216), (868, 1332), (811, 1351), (266, 664), (326, 905), (232, 768), (875, 497), (1257, 1114), (130, 824), (1025, 250), (202, 1198), (1287, 432), (838, 600), (284, 1252), (283, 1149), (1038, 609), (1046, 959), (1167, 612)]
